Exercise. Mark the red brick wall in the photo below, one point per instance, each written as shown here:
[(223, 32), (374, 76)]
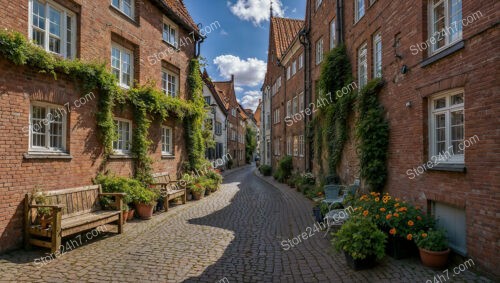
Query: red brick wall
[(98, 25)]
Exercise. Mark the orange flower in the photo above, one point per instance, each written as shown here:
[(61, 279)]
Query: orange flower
[(388, 216), (397, 199), (377, 199), (395, 214), (419, 218), (373, 194), (365, 213), (410, 223), (392, 231), (396, 204), (424, 235), (409, 237), (382, 209)]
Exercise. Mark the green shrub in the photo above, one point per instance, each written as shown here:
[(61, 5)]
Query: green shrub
[(230, 164), (433, 240), (265, 170), (284, 171), (360, 237), (116, 184)]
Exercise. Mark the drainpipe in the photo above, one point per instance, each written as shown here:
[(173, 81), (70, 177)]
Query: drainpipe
[(284, 86), (199, 41), (304, 38), (340, 20)]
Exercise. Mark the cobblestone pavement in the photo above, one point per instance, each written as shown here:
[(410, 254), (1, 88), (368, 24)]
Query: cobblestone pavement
[(233, 235)]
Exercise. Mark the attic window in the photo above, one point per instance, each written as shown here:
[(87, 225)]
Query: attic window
[(125, 6)]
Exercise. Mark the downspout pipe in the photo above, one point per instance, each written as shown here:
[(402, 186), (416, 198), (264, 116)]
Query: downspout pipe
[(198, 43), (279, 64), (340, 20)]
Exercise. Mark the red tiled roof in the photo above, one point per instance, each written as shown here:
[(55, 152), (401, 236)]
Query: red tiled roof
[(285, 30), (226, 92), (177, 9), (213, 89)]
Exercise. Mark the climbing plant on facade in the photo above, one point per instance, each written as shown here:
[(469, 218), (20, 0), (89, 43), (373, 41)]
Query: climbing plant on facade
[(372, 132)]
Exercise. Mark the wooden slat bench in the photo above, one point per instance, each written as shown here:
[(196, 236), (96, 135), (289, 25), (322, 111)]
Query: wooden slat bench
[(169, 188), (73, 211)]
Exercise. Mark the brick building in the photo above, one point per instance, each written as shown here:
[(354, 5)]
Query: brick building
[(235, 122), (138, 43), (437, 59)]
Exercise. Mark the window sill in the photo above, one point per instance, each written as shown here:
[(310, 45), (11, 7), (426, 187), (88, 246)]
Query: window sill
[(175, 48), (442, 54), (449, 168), (167, 156), (120, 156), (123, 15), (47, 155)]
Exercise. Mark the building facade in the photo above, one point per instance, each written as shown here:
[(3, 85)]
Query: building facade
[(138, 43)]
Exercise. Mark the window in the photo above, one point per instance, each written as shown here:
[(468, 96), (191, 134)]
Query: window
[(362, 66), (233, 112), (294, 68), (359, 9), (124, 133), (301, 145), (318, 3), (169, 34), (453, 221), (377, 56), (288, 73), (278, 82), (295, 145), (207, 100), (319, 51), (295, 105), (169, 83), (445, 27), (277, 146), (233, 135), (218, 128), (126, 6), (276, 116), (301, 61), (48, 128), (301, 101), (121, 65), (447, 127), (332, 34), (52, 27), (166, 141), (289, 146), (288, 108)]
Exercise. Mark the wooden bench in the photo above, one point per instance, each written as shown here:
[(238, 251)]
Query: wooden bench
[(169, 188), (73, 211)]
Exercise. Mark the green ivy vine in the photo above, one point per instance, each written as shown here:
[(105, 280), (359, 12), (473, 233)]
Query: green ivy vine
[(372, 132), (332, 120), (146, 100)]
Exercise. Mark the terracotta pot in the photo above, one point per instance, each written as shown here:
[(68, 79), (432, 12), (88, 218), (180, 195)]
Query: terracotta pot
[(145, 211), (197, 196), (124, 216), (434, 259), (130, 215)]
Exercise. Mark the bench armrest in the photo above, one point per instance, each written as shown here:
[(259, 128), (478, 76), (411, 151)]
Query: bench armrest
[(52, 206), (112, 194)]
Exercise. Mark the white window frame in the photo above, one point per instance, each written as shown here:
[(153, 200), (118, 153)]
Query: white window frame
[(359, 11), (294, 68), (288, 72), (377, 55), (301, 101), (319, 51), (289, 146), (332, 34), (171, 26), (295, 105), (65, 13), (447, 21), (301, 146), (129, 52), (233, 112), (362, 62), (165, 74), (169, 151), (455, 157), (47, 148), (289, 108), (122, 9), (119, 151), (301, 60), (318, 4), (295, 146)]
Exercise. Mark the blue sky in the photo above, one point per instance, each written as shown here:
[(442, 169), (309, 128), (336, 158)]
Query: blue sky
[(239, 43)]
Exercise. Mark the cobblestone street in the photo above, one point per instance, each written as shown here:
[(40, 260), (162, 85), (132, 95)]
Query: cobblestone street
[(234, 234)]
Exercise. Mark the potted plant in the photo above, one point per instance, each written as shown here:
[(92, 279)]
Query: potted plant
[(131, 212), (198, 191), (362, 242), (125, 211), (145, 202), (433, 248), (43, 214)]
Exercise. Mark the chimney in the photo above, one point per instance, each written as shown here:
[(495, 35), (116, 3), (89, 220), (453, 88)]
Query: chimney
[(232, 78)]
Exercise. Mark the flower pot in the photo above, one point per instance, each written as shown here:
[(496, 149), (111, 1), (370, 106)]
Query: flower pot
[(130, 215), (124, 216), (434, 259), (198, 196), (145, 211), (189, 196), (317, 214), (399, 248), (359, 264)]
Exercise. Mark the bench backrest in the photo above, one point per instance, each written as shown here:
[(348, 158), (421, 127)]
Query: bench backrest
[(332, 191), (76, 201), (163, 177)]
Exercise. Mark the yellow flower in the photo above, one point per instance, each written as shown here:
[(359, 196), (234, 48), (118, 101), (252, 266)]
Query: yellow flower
[(396, 204), (392, 231), (409, 237), (397, 199), (382, 209), (385, 200), (365, 213), (410, 223), (377, 199)]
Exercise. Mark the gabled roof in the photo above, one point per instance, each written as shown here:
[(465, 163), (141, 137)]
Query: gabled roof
[(213, 90), (284, 31), (176, 10), (257, 113), (226, 92)]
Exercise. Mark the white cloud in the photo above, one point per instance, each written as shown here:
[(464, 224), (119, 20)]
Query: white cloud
[(251, 99), (238, 89), (294, 10), (255, 11), (224, 32), (249, 72)]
